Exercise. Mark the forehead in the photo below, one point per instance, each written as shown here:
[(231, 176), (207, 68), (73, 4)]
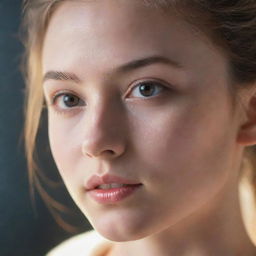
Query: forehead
[(99, 22), (94, 32), (98, 13)]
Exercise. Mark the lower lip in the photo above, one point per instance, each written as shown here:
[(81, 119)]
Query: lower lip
[(112, 195)]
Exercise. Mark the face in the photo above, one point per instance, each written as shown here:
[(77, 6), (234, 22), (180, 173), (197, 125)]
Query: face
[(166, 123)]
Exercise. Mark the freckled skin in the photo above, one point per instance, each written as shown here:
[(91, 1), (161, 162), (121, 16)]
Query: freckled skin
[(180, 143)]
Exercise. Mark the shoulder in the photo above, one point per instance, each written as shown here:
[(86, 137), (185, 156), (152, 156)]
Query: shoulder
[(89, 243)]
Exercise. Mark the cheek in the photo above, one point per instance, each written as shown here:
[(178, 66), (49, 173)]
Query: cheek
[(185, 151), (184, 158), (62, 141)]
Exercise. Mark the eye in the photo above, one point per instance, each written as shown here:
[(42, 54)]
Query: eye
[(147, 89), (65, 100)]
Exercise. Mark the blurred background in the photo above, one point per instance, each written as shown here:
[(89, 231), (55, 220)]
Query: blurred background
[(26, 228)]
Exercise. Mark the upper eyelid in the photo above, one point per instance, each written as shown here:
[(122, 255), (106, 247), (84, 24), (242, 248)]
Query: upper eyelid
[(53, 96), (161, 83), (133, 85)]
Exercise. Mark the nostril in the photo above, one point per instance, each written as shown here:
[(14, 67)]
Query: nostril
[(108, 152), (111, 152)]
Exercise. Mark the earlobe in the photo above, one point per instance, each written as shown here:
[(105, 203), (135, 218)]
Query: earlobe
[(247, 130)]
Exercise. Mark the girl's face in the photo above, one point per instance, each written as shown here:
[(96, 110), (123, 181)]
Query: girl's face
[(167, 123)]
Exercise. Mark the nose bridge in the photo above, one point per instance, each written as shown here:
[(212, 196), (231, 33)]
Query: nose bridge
[(105, 114), (104, 129)]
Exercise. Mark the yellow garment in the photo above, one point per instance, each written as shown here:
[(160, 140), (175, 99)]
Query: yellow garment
[(89, 243)]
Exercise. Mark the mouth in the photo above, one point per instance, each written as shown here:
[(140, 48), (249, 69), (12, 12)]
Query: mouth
[(108, 182), (110, 189), (108, 194), (114, 185)]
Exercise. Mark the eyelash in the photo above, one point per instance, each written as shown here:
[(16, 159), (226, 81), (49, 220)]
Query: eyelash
[(59, 94)]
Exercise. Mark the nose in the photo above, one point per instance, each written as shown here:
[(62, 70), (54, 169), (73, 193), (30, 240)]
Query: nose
[(104, 133)]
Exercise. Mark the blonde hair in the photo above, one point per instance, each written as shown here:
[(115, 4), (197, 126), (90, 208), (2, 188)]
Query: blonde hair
[(231, 25)]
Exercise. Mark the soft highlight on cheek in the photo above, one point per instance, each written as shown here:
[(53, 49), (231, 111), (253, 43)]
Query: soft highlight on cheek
[(62, 141), (183, 138)]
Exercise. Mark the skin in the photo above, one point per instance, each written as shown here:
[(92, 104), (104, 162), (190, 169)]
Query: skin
[(184, 143)]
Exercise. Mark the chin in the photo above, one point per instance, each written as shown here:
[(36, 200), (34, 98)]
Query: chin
[(123, 224), (122, 232)]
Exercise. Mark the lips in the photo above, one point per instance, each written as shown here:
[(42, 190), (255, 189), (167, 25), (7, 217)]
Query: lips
[(96, 181)]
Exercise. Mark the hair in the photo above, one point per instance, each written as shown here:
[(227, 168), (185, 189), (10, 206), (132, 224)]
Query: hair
[(229, 24)]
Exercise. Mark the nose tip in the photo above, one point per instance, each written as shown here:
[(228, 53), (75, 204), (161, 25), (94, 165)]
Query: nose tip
[(99, 149)]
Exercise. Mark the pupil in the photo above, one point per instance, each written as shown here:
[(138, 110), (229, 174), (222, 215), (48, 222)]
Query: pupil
[(146, 89), (70, 100)]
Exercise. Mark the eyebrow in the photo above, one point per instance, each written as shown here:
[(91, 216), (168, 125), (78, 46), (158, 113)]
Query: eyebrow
[(58, 75), (127, 67)]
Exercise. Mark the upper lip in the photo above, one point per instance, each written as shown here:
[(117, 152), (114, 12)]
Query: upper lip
[(95, 181)]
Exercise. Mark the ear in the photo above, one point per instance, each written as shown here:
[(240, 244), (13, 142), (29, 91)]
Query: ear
[(247, 129)]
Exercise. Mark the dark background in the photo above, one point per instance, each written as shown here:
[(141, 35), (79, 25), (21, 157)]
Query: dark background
[(24, 231)]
